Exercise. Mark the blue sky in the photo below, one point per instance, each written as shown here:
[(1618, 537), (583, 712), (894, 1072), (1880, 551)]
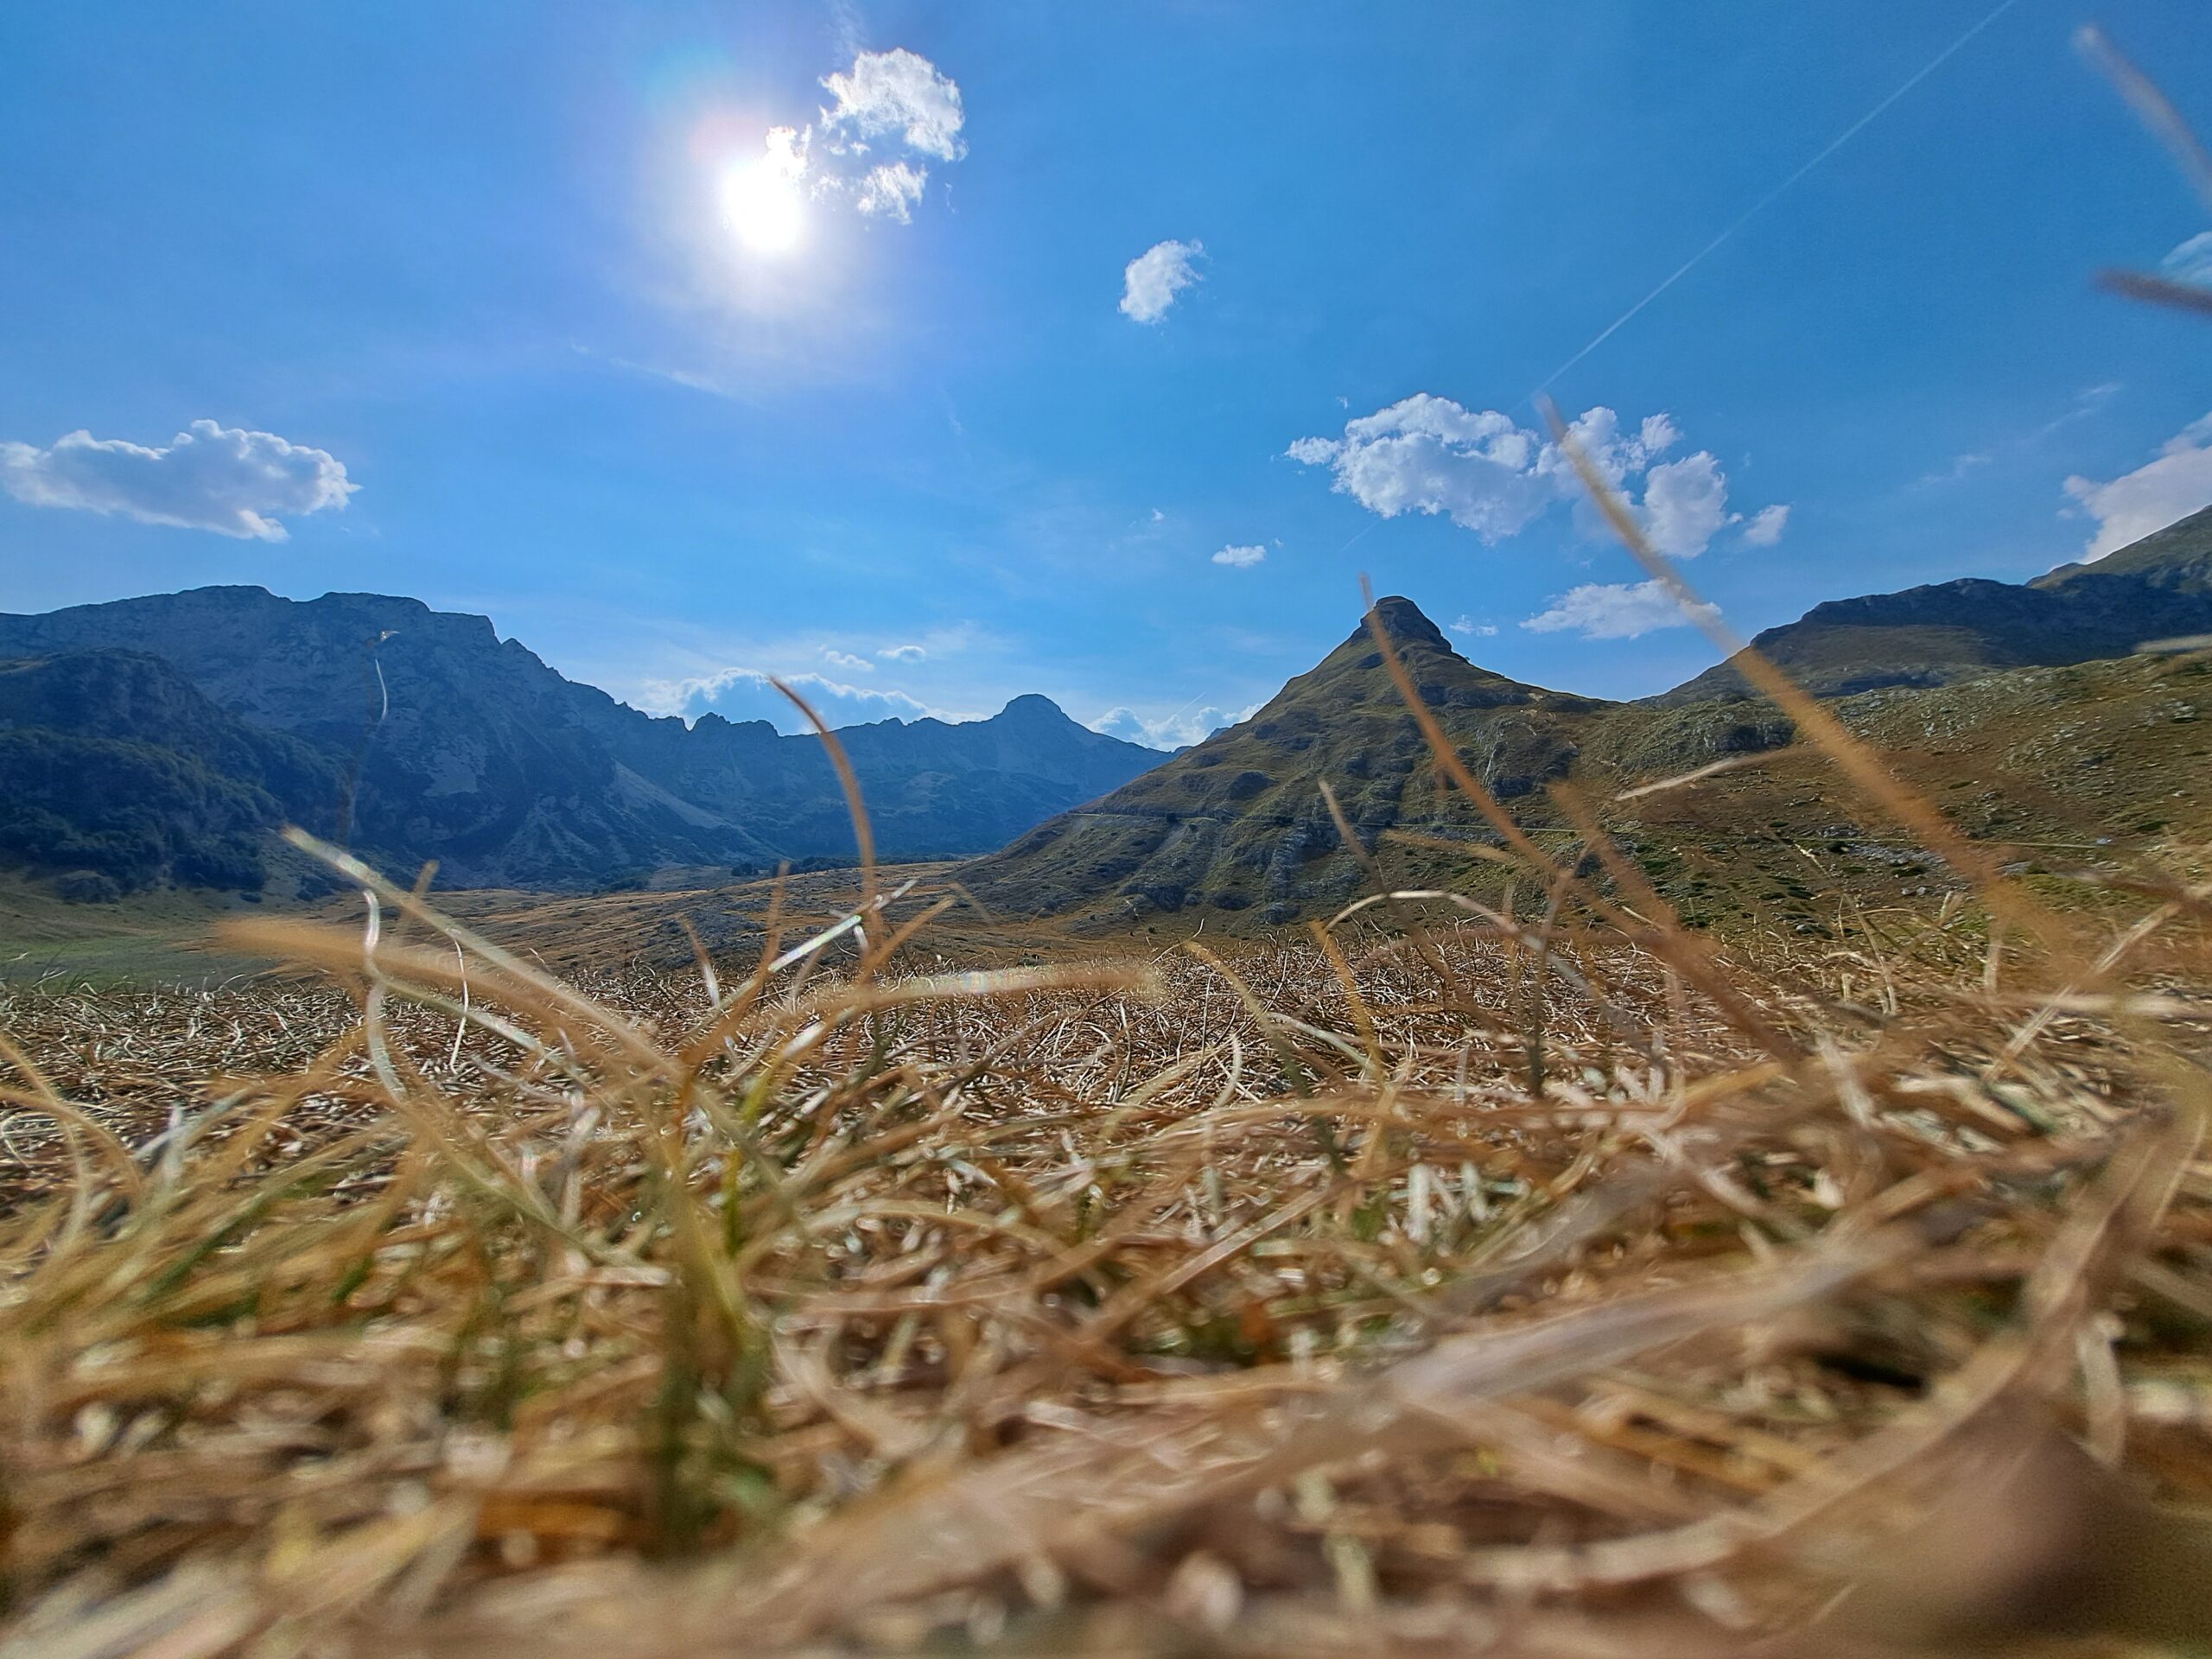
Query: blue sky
[(481, 304)]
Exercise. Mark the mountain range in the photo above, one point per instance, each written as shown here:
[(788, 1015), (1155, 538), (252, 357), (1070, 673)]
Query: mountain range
[(1236, 828), (420, 735), (162, 739), (2155, 589)]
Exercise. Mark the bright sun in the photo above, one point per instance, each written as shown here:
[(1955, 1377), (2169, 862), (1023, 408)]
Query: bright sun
[(762, 206)]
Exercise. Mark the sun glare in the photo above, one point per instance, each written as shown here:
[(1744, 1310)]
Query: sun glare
[(762, 206)]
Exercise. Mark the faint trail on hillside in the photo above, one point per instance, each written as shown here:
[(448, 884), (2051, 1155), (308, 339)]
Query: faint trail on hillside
[(1775, 194)]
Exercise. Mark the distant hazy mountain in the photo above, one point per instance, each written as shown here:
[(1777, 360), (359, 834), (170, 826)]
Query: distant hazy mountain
[(1238, 821), (2158, 588), (472, 751)]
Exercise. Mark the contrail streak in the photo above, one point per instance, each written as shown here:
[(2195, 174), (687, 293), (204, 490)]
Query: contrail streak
[(1779, 190)]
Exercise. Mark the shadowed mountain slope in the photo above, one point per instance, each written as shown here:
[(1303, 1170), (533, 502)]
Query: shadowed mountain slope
[(472, 751), (2156, 588), (117, 774)]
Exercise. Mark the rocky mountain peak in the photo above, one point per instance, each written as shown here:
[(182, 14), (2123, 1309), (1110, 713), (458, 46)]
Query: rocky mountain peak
[(1030, 708), (1404, 622)]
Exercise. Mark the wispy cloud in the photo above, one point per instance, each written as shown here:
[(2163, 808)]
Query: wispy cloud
[(1972, 461), (1240, 558), (2082, 405), (846, 660), (1151, 280), (1764, 527), (2172, 485), (226, 480), (2192, 261), (903, 653), (1474, 630), (1612, 611)]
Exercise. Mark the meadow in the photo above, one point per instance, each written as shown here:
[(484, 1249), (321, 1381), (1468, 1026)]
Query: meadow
[(1524, 1274)]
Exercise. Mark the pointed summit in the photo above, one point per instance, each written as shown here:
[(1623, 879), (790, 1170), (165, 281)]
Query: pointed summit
[(1238, 823), (1404, 622)]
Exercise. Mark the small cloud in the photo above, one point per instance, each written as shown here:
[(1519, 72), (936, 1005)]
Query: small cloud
[(1685, 503), (846, 660), (1151, 280), (892, 190), (897, 91), (1157, 517), (1614, 611), (1240, 558), (902, 653), (2192, 261), (2172, 485), (1764, 527), (1472, 629), (223, 479), (1973, 461), (1175, 731)]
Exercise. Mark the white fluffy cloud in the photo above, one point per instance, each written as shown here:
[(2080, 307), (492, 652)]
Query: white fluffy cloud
[(887, 102), (892, 190), (1488, 473), (846, 660), (1175, 731), (1764, 527), (897, 91), (224, 479), (2173, 485), (1151, 280), (1685, 503), (746, 693), (1240, 558), (902, 653), (1620, 610)]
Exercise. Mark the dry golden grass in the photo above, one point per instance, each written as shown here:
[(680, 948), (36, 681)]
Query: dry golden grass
[(1540, 1280), (1536, 1279)]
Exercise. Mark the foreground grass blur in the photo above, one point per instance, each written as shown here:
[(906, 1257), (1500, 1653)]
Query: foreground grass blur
[(1538, 1278)]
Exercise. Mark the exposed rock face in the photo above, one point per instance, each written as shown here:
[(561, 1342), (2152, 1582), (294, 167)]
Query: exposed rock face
[(2160, 588), (470, 750), (1238, 821)]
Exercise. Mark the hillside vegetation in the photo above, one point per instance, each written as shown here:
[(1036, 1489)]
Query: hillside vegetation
[(1545, 1280), (2056, 766)]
